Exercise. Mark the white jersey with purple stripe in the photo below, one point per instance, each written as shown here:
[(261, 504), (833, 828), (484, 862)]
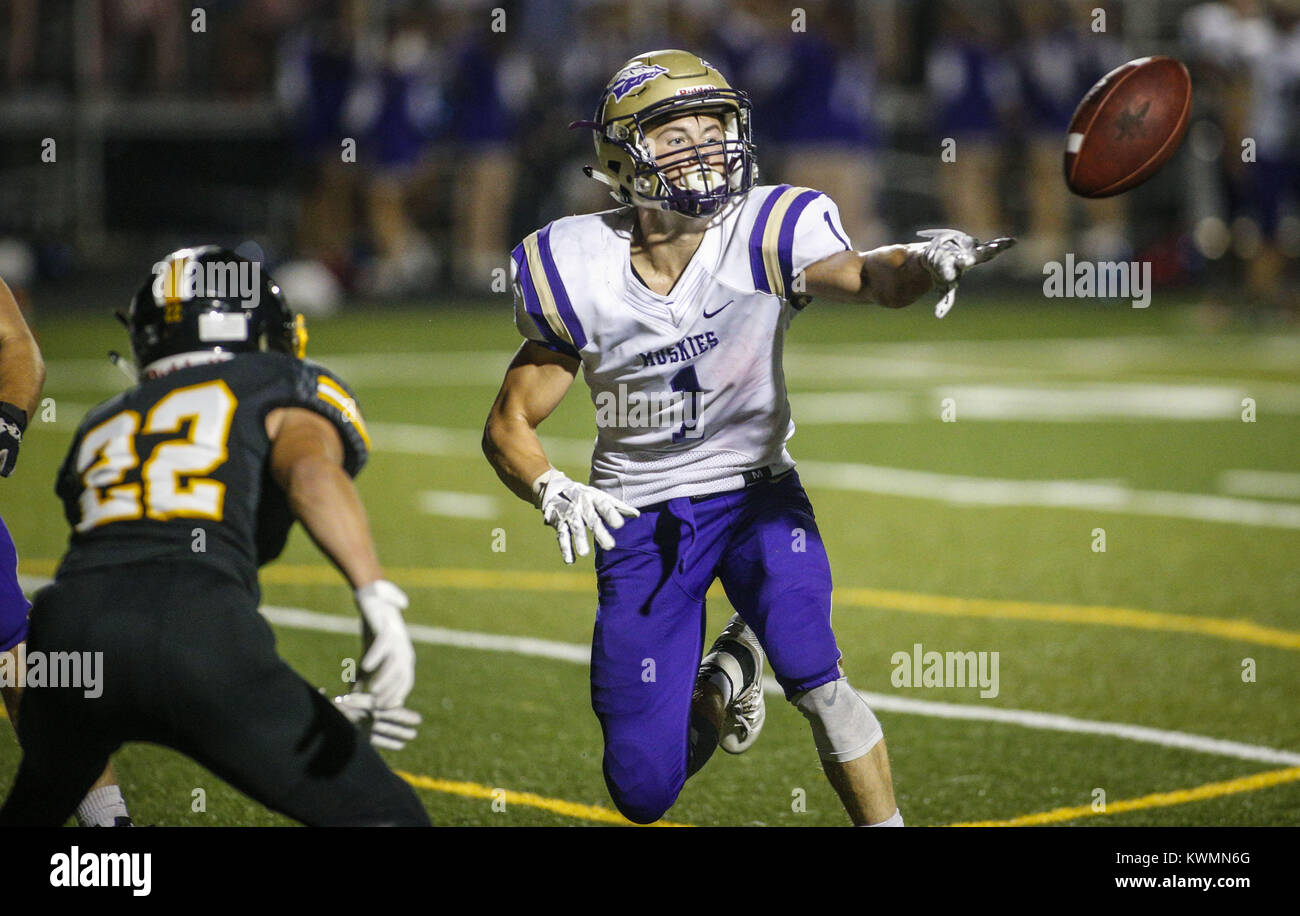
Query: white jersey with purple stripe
[(688, 388)]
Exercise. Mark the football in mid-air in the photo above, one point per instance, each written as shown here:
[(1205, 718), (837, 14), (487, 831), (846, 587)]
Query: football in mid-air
[(1127, 126)]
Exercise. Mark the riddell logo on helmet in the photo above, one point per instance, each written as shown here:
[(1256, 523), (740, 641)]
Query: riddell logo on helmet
[(182, 280), (691, 90)]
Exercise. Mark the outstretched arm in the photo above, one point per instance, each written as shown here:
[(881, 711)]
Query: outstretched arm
[(894, 276)]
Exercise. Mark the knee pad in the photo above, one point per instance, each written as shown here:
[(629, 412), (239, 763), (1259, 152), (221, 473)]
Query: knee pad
[(843, 725)]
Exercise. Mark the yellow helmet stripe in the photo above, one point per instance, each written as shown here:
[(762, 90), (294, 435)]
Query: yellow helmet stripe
[(174, 289)]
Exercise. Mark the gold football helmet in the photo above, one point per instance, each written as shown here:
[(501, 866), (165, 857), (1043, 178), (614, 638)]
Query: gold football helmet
[(659, 86)]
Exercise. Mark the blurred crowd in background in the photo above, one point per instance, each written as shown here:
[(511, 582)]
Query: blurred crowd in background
[(232, 121)]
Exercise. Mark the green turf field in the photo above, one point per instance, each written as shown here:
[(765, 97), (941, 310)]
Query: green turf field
[(972, 535)]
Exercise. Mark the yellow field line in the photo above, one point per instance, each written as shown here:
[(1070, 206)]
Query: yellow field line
[(1251, 783), (583, 583), (1099, 615), (911, 602), (37, 567), (554, 805)]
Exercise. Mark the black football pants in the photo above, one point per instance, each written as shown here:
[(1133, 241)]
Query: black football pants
[(188, 663)]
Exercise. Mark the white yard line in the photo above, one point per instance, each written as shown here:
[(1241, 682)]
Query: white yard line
[(825, 408), (901, 360), (954, 489), (1276, 484), (1089, 496), (1106, 355), (575, 653), (1052, 722), (360, 370), (446, 442), (1090, 401), (458, 505), (1059, 402), (581, 654), (420, 370)]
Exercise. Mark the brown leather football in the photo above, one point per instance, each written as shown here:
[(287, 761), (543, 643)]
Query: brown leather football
[(1127, 126)]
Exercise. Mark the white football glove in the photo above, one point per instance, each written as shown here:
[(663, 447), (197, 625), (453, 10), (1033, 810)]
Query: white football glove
[(389, 663), (948, 254), (571, 508), (386, 728)]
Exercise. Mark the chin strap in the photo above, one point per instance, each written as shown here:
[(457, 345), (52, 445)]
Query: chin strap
[(128, 368), (599, 176), (615, 191)]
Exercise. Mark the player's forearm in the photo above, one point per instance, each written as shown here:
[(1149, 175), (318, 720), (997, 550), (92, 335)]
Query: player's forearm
[(324, 499), (515, 452), (893, 276)]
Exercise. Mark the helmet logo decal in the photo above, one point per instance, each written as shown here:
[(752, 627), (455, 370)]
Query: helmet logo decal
[(182, 277), (633, 77)]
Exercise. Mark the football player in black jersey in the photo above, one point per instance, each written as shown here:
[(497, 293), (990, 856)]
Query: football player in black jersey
[(177, 490)]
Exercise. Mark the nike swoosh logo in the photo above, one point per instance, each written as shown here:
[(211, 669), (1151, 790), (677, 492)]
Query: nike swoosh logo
[(708, 314)]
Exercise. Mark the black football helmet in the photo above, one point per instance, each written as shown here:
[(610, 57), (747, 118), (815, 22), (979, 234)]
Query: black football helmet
[(209, 298)]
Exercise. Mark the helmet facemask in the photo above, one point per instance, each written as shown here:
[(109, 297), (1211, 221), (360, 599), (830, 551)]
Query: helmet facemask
[(696, 180)]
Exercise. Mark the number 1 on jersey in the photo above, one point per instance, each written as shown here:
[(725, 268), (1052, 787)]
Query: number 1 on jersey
[(687, 382)]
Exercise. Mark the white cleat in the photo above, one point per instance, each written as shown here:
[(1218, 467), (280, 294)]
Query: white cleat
[(747, 709)]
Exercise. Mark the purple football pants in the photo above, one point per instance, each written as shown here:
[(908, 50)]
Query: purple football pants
[(13, 604), (762, 543)]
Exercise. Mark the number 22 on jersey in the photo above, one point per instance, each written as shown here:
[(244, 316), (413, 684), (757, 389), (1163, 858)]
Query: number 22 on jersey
[(108, 453)]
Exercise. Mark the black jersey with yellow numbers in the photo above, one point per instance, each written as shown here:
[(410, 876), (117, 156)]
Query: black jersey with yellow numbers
[(177, 468)]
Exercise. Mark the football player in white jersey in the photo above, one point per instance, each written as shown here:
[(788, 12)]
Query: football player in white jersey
[(675, 306)]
